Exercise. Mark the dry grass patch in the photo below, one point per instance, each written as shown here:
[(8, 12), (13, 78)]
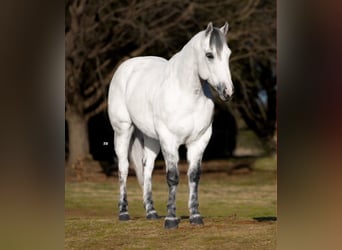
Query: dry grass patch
[(228, 204)]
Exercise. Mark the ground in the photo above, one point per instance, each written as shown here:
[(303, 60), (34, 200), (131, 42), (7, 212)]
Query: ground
[(231, 194)]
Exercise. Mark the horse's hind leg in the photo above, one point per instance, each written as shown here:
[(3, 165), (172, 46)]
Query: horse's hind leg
[(151, 150), (194, 155), (122, 138)]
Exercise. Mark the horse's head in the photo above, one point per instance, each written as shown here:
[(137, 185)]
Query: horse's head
[(213, 58)]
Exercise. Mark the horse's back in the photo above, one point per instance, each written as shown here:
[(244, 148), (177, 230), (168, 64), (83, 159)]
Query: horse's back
[(132, 90), (134, 66), (146, 74)]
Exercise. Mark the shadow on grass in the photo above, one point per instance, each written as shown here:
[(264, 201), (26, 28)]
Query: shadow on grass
[(265, 218)]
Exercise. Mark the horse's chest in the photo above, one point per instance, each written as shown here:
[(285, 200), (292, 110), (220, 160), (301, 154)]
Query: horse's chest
[(195, 126), (189, 123)]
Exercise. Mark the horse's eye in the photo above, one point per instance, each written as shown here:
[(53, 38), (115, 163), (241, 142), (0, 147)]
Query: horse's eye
[(209, 55)]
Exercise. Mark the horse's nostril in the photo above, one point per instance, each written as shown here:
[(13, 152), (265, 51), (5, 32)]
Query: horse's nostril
[(227, 95), (225, 92)]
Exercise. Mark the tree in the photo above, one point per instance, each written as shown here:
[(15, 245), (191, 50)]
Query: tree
[(254, 70), (101, 34), (86, 71)]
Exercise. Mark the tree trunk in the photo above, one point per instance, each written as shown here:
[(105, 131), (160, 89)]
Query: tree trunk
[(78, 137)]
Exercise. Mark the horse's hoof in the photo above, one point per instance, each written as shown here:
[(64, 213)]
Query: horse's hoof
[(171, 223), (124, 217), (196, 220), (152, 216)]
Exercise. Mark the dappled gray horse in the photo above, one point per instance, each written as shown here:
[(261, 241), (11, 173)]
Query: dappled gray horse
[(155, 104)]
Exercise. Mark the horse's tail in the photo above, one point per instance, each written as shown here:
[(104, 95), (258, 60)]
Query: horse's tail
[(136, 154)]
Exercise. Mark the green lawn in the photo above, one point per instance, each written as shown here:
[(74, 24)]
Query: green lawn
[(228, 204)]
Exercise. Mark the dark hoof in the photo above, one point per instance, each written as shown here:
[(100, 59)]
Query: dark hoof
[(196, 220), (171, 223), (124, 217), (152, 216)]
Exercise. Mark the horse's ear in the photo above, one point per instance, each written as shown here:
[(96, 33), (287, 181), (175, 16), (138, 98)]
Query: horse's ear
[(209, 29), (224, 28)]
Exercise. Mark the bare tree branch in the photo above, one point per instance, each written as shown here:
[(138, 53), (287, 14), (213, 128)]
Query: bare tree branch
[(101, 34)]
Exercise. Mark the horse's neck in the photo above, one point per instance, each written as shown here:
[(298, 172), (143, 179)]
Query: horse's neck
[(184, 69)]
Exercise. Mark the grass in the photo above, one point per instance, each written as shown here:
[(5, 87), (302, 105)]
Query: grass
[(228, 204)]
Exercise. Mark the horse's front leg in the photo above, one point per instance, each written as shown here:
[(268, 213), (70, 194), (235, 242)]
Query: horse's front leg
[(170, 152), (194, 156)]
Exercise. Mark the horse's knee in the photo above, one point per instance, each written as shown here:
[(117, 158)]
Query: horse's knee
[(194, 174), (172, 169), (172, 177)]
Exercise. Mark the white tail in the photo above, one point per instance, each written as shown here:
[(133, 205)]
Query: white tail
[(136, 155)]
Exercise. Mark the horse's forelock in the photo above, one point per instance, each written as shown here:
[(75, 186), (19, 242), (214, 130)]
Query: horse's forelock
[(217, 40)]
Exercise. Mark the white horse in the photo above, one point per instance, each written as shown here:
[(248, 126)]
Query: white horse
[(155, 104)]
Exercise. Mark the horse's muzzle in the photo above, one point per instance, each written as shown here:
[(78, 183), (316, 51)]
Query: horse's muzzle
[(225, 95)]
